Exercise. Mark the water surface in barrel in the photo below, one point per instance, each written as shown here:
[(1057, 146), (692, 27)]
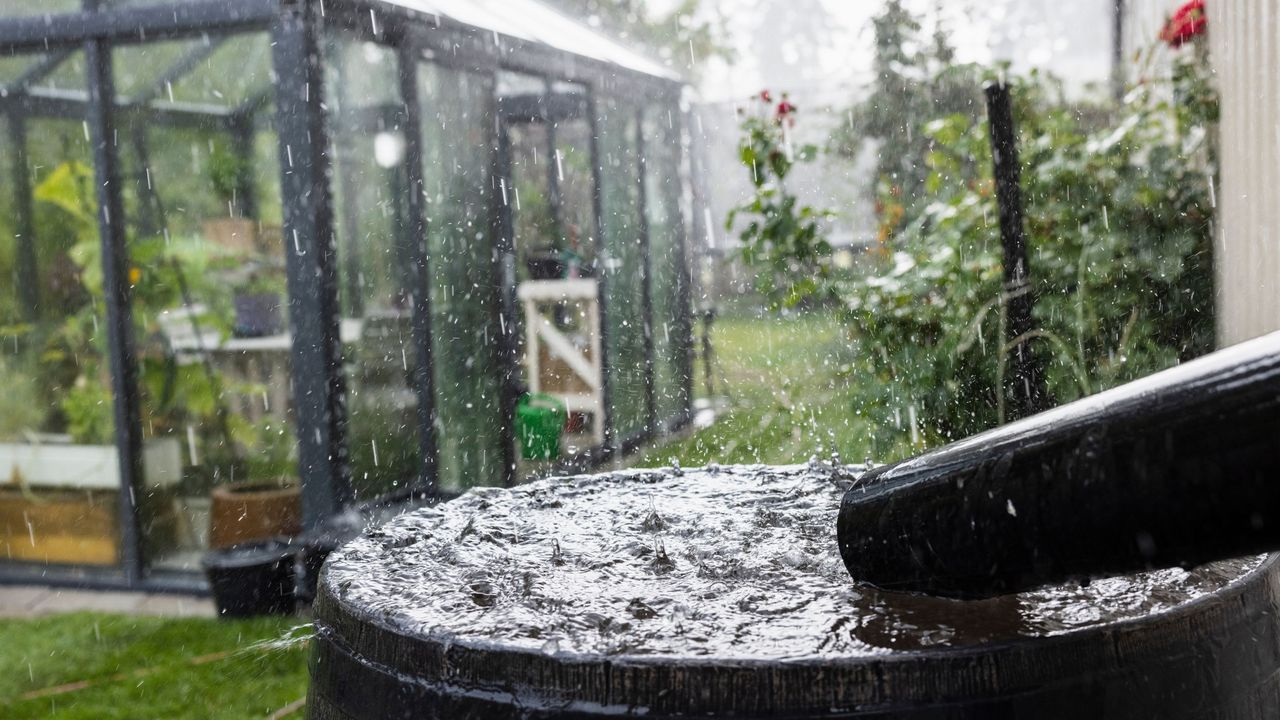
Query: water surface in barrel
[(718, 562)]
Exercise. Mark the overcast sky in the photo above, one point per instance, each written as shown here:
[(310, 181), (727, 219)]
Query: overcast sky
[(821, 49)]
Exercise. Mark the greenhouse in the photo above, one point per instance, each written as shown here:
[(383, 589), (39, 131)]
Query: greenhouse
[(323, 251)]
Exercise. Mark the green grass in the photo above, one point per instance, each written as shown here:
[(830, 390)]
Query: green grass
[(148, 667), (789, 395)]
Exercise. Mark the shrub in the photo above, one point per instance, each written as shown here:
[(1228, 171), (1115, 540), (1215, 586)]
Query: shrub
[(1119, 233)]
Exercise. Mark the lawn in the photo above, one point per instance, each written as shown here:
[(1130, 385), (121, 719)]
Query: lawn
[(788, 399), (96, 665)]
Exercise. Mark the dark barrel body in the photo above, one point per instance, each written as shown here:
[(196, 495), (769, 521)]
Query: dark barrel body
[(1176, 469)]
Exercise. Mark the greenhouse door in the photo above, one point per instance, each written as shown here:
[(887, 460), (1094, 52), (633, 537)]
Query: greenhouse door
[(548, 249)]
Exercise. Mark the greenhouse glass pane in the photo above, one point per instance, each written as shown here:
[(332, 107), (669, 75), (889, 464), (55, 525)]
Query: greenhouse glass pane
[(533, 210), (663, 193), (201, 199), (375, 235), (573, 173), (65, 79), (208, 72), (458, 151), (140, 69), (622, 263), (59, 470)]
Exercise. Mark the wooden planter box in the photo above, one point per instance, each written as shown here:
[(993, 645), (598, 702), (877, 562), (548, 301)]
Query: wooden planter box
[(59, 502)]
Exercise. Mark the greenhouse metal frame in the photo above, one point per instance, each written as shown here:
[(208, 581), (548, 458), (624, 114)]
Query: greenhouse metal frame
[(480, 40)]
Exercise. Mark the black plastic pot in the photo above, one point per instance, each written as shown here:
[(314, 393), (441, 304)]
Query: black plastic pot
[(255, 578), (545, 266), (257, 315), (315, 550), (316, 546)]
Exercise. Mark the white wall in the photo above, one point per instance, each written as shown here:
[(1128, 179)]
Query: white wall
[(1244, 41)]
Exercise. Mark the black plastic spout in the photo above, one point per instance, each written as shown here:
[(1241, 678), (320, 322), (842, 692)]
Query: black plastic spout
[(1176, 469)]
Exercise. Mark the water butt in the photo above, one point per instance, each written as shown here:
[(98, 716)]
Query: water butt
[(720, 592)]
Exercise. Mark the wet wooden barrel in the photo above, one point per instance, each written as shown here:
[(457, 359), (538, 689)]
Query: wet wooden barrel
[(719, 592)]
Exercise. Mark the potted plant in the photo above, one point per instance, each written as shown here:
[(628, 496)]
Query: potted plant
[(59, 481), (261, 499), (227, 172), (253, 510)]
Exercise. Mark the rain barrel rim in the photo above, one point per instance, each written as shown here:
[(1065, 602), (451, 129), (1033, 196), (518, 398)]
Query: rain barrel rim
[(327, 599)]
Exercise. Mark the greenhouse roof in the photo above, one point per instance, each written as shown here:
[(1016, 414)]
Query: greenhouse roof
[(533, 21), (524, 22)]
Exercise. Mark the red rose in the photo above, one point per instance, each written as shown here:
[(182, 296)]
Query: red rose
[(785, 108), (1188, 22), (766, 96)]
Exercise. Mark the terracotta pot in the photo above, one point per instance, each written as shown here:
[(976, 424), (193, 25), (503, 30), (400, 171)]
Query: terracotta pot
[(242, 512), (232, 233)]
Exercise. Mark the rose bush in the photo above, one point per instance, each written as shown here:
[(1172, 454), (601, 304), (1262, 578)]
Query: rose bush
[(783, 239)]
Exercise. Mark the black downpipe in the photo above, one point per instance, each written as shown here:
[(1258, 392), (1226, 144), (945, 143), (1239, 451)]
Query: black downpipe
[(1177, 469), (1023, 387), (504, 263)]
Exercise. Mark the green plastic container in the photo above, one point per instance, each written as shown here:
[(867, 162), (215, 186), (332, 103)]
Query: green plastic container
[(540, 420)]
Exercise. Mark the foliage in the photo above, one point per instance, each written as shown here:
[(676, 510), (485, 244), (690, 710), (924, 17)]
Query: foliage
[(915, 80), (20, 408), (1119, 233), (783, 238), (265, 279), (227, 170), (164, 274)]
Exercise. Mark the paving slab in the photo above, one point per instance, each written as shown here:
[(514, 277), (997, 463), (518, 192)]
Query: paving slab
[(65, 601), (177, 606), (26, 601), (17, 600)]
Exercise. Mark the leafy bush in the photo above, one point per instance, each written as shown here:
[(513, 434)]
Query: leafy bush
[(1119, 233)]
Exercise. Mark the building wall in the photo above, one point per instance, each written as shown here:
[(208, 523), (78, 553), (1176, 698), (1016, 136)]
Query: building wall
[(1244, 43)]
